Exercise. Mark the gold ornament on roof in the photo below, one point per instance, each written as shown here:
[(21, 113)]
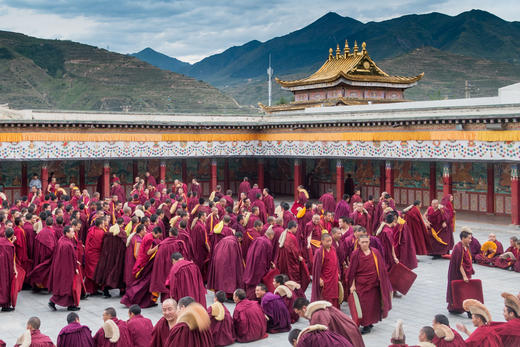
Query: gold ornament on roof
[(347, 49), (338, 52), (330, 54), (364, 48), (356, 49)]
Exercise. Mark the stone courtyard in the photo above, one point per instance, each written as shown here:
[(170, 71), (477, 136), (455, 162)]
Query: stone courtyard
[(416, 309)]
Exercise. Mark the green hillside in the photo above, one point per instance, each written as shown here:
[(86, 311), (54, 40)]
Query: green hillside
[(36, 73)]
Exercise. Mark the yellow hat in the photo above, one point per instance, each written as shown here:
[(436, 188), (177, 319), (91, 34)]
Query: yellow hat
[(476, 307), (512, 301)]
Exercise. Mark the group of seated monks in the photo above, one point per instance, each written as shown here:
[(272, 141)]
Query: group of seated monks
[(169, 243), (491, 253)]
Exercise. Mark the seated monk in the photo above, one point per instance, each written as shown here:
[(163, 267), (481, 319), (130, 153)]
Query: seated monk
[(485, 334), (114, 332), (248, 318), (287, 294), (317, 335), (32, 336), (398, 338), (445, 336), (192, 327), (489, 250), (274, 308), (507, 259), (139, 327), (509, 332), (322, 312), (221, 322), (426, 335), (161, 330)]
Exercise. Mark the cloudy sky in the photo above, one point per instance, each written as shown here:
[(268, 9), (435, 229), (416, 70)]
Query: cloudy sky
[(192, 30)]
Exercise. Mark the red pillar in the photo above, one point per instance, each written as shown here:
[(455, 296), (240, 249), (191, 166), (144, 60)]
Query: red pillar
[(106, 179), (340, 184), (135, 169), (389, 178), (446, 179), (297, 174), (226, 175), (184, 171), (382, 178), (45, 178), (24, 178), (490, 203), (433, 181), (162, 171), (213, 174), (515, 196), (261, 173), (81, 175)]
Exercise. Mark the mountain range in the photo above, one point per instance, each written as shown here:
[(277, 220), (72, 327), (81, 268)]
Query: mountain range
[(478, 38)]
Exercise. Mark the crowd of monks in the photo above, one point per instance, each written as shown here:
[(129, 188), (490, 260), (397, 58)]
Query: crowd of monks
[(170, 245)]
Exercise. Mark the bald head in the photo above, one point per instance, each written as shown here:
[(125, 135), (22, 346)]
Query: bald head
[(33, 323)]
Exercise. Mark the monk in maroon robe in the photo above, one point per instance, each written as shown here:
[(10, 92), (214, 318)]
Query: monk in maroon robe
[(185, 279), (313, 230), (258, 262), (114, 333), (369, 279), (489, 251), (139, 291), (342, 208), (227, 266), (22, 257), (75, 334), (192, 328), (484, 335), (110, 268), (248, 318), (360, 216), (278, 316), (461, 267), (161, 330), (328, 201), (244, 186), (287, 214), (221, 321), (322, 312), (415, 222), (93, 247), (287, 294), (44, 245), (403, 244), (37, 339), (509, 332), (325, 272), (163, 262), (317, 335), (139, 327), (133, 244), (201, 247), (387, 240), (63, 270), (439, 231), (268, 202), (7, 269), (446, 336), (290, 260)]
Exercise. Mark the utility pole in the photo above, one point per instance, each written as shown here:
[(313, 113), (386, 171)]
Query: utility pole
[(270, 75), (467, 89)]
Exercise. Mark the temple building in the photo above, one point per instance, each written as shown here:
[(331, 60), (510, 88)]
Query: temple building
[(346, 78), (413, 150)]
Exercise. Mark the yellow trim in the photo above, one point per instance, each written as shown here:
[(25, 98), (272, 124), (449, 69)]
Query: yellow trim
[(490, 136), (316, 243), (437, 238), (301, 213)]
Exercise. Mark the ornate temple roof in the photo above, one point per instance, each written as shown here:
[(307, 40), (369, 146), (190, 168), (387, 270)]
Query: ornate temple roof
[(356, 66)]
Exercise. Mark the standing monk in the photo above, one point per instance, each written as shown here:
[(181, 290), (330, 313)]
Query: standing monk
[(343, 207), (325, 272), (7, 270), (201, 248), (139, 327), (244, 186), (461, 267), (328, 201), (63, 270), (313, 232), (185, 279), (258, 262), (447, 203), (227, 266), (44, 245), (290, 260), (93, 247), (415, 221), (75, 334), (439, 232), (268, 202), (369, 279)]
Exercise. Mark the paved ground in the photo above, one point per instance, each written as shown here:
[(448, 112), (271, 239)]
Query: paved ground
[(425, 299)]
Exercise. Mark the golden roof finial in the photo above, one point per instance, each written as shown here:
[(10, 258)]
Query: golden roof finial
[(355, 48), (338, 52), (330, 54), (364, 48), (347, 49)]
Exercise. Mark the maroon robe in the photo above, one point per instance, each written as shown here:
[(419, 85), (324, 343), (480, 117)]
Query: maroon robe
[(252, 194), (342, 210), (22, 258), (372, 285), (93, 251), (322, 338), (460, 255), (325, 266), (244, 187), (269, 204), (509, 332), (140, 330), (387, 240), (288, 296), (124, 336), (201, 247), (110, 268), (288, 261), (457, 341), (449, 210), (329, 203), (185, 279), (404, 245), (75, 334), (279, 317), (362, 219), (132, 250), (420, 238), (249, 321), (484, 336), (287, 217), (258, 263), (39, 340), (339, 323), (160, 333), (182, 335), (222, 330), (227, 266), (44, 245), (436, 218), (63, 269), (7, 270), (250, 235), (120, 192), (163, 264), (314, 231)]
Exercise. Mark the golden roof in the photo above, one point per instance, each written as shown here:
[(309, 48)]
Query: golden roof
[(356, 66)]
